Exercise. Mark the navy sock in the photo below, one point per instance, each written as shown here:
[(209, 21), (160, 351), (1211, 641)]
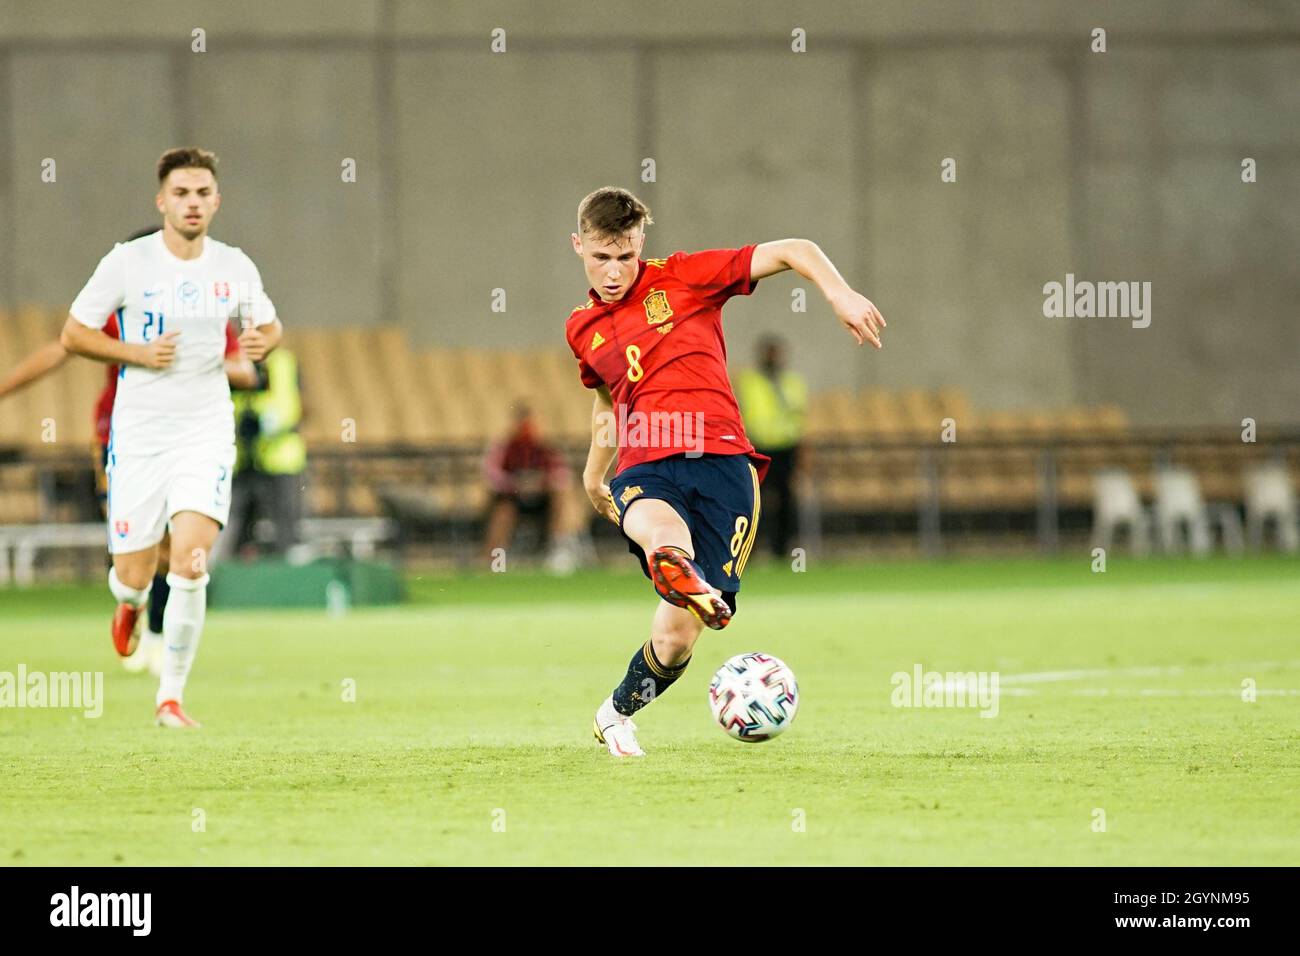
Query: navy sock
[(645, 680), (158, 595)]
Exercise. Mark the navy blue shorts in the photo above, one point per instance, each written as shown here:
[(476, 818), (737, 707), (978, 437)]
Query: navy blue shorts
[(718, 498)]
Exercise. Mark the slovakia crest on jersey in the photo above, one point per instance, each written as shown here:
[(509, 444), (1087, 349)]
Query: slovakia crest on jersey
[(221, 290), (122, 528), (657, 308)]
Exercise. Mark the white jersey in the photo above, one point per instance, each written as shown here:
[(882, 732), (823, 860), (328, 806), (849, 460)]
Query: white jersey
[(154, 292)]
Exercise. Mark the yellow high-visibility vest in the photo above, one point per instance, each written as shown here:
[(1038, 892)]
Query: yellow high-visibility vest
[(279, 449), (773, 410)]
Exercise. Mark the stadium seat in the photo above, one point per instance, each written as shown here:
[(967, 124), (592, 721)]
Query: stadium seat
[(880, 417), (1116, 505), (1271, 496), (921, 416), (832, 415), (953, 403), (1180, 512), (869, 445), (1110, 420)]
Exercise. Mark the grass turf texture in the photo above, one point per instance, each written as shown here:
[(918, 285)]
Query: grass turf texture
[(477, 698)]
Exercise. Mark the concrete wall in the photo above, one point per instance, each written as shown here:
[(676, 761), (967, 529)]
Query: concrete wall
[(1116, 166)]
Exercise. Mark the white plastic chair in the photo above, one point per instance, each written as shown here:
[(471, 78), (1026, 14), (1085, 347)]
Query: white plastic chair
[(1270, 494), (1179, 504), (1116, 505)]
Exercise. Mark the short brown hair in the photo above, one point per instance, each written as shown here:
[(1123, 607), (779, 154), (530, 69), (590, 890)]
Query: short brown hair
[(611, 212), (186, 157)]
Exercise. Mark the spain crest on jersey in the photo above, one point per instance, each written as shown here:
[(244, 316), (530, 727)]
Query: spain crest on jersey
[(657, 308)]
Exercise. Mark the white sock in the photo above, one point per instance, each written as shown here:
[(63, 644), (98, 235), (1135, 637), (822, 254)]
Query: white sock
[(182, 628), (607, 714), (149, 638), (135, 597)]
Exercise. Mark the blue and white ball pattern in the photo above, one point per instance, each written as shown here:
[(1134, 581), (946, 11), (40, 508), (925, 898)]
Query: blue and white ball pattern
[(754, 696)]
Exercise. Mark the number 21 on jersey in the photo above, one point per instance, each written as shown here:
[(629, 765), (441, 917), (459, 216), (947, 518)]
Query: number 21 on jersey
[(149, 324)]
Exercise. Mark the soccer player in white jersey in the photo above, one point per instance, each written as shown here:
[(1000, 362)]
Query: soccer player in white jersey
[(172, 446)]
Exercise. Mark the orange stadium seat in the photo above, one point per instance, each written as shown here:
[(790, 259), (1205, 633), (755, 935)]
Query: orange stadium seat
[(398, 394), (321, 390), (921, 415), (19, 495), (953, 403), (1110, 420), (832, 415), (878, 416)]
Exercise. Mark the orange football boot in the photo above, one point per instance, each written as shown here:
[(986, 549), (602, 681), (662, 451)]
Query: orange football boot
[(678, 583)]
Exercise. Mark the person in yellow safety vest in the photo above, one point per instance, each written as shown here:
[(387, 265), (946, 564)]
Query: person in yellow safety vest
[(272, 456), (773, 401)]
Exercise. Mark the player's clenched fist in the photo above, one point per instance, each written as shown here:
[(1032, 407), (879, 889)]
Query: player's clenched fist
[(161, 352), (601, 499), (860, 316), (253, 342)]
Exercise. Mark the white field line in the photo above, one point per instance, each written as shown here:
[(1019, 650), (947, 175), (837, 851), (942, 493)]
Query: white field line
[(1010, 684), (1043, 677)]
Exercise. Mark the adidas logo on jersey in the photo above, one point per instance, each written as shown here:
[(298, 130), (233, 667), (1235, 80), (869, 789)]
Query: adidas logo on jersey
[(597, 341)]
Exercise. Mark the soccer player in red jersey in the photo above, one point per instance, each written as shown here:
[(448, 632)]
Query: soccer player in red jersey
[(649, 341)]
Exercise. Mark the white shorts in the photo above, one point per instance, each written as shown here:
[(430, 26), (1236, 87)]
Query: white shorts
[(145, 491)]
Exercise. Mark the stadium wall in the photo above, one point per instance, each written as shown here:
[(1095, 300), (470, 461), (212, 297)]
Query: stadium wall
[(1115, 166)]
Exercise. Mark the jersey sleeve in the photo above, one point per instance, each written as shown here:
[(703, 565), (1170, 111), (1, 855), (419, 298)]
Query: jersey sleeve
[(232, 342), (590, 378), (588, 375), (716, 274), (254, 303), (103, 293)]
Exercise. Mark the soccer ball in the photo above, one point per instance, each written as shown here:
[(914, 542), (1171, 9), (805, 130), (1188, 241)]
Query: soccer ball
[(754, 697)]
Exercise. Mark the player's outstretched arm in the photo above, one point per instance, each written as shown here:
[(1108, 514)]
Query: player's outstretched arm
[(600, 455), (80, 339), (259, 341), (42, 361), (855, 311)]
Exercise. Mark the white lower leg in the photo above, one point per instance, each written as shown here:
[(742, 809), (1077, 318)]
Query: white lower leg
[(182, 628)]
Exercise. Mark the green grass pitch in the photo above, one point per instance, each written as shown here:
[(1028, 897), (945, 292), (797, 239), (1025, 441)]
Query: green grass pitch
[(469, 741)]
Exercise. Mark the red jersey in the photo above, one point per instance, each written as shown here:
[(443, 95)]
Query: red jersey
[(104, 404), (523, 455), (661, 352)]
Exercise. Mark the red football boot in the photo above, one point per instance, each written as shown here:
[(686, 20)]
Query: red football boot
[(126, 628), (170, 714), (678, 583)]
